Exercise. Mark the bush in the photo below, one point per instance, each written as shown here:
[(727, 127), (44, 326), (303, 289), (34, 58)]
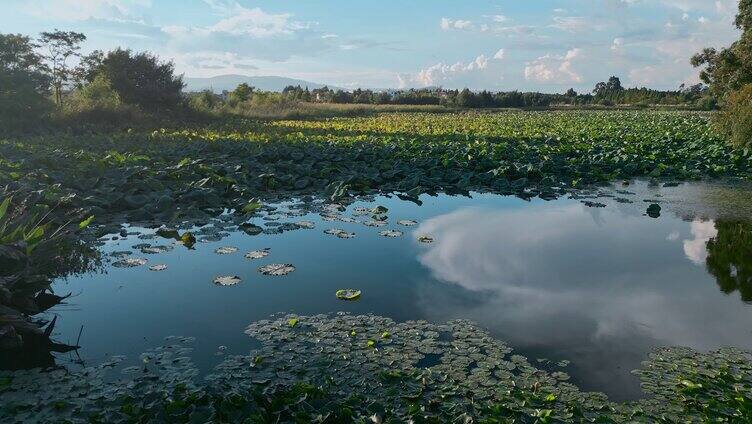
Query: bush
[(97, 94), (736, 118)]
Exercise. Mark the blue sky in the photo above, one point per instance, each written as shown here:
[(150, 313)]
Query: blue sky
[(545, 45)]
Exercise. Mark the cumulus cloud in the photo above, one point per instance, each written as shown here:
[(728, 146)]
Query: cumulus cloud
[(554, 68), (442, 73)]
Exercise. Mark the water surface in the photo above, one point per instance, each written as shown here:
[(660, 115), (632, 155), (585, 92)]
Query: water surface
[(556, 280)]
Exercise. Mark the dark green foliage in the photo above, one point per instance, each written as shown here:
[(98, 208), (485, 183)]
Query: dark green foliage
[(140, 79), (729, 74), (322, 370), (23, 83), (730, 258)]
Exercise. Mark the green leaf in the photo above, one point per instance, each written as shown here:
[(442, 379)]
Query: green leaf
[(85, 223), (252, 206), (292, 322), (4, 207)]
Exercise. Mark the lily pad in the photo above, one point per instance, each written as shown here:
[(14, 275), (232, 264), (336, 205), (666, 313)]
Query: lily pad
[(227, 280), (308, 225), (348, 294), (227, 250), (345, 235), (130, 262), (158, 267), (390, 233), (425, 239), (258, 254), (374, 223), (277, 269), (407, 222)]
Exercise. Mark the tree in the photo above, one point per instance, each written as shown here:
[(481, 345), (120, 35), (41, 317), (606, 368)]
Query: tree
[(140, 79), (243, 92), (729, 69), (24, 83), (61, 45)]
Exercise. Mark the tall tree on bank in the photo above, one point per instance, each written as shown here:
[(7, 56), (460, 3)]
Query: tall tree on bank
[(24, 83), (139, 78), (61, 45), (729, 74)]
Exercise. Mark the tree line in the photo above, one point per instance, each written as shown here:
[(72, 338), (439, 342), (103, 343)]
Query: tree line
[(48, 78)]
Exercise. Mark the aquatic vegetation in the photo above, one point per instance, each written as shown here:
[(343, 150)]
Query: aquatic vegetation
[(227, 250), (348, 368), (208, 170), (277, 269), (425, 239), (348, 294), (158, 267), (227, 280), (390, 233), (407, 223), (258, 254), (130, 262)]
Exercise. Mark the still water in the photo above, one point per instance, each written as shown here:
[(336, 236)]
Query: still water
[(557, 280)]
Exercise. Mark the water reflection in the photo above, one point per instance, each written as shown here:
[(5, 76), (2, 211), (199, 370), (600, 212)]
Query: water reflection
[(729, 258), (598, 286)]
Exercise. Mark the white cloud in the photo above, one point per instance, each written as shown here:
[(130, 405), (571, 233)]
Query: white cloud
[(442, 73), (499, 55), (573, 23), (449, 24), (554, 69), (79, 10)]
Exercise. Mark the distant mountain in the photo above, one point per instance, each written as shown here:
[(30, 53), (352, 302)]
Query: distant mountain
[(263, 83)]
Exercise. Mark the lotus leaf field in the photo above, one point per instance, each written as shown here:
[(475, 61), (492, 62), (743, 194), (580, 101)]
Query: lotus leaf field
[(346, 368), (188, 186), (189, 174)]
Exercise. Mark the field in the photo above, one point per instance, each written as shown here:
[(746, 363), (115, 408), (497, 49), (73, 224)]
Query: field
[(170, 174)]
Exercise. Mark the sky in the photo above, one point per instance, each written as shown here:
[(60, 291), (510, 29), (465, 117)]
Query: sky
[(541, 45)]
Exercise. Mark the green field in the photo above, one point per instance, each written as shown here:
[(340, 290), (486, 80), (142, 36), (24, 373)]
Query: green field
[(170, 174)]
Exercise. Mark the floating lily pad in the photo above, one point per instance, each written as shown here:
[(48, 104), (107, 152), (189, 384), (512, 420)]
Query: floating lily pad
[(348, 294), (390, 233), (333, 231), (130, 262), (654, 210), (407, 222), (227, 250), (425, 239), (227, 280), (277, 269), (374, 223), (345, 235), (308, 225), (159, 267), (258, 254)]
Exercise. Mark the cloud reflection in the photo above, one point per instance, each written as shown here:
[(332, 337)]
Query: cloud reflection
[(600, 292)]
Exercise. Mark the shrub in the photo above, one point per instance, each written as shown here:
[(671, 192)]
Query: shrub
[(97, 94), (736, 118)]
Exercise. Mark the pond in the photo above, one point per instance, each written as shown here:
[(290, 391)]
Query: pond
[(592, 279)]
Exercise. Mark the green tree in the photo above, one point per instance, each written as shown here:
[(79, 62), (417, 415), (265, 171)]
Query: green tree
[(61, 45), (24, 84), (729, 69), (242, 92), (139, 79)]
